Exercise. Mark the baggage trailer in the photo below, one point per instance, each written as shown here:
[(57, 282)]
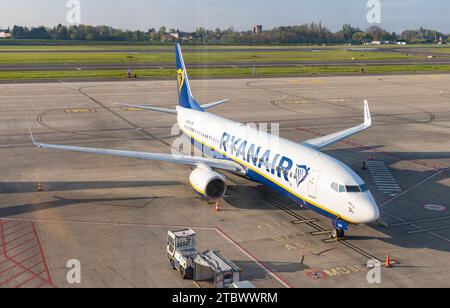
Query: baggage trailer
[(181, 251)]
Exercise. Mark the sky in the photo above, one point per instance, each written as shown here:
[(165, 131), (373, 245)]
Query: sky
[(396, 15)]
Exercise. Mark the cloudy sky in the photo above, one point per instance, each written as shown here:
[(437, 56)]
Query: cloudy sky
[(396, 15)]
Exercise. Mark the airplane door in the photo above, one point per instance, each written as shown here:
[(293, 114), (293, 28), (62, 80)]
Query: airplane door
[(312, 184)]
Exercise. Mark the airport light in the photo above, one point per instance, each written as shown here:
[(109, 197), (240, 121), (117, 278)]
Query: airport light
[(362, 63), (130, 59)]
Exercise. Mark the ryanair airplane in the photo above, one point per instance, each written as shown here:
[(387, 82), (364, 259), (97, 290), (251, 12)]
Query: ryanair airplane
[(298, 170)]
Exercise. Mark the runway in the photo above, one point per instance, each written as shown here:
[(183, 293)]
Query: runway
[(113, 214)]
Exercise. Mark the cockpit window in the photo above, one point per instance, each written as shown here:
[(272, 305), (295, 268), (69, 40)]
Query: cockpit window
[(337, 187), (353, 189), (349, 188)]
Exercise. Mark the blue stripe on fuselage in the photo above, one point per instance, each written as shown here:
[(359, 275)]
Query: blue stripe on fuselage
[(256, 177)]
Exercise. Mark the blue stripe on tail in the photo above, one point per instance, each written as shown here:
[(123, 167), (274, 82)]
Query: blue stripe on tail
[(185, 98)]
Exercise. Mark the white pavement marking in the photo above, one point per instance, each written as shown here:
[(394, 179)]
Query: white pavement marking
[(416, 226), (383, 178), (411, 188)]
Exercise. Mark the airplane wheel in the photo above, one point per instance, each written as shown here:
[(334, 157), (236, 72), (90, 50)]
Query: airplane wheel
[(337, 233), (334, 233)]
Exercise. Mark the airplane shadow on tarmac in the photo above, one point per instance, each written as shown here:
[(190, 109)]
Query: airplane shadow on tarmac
[(62, 202), (29, 187), (254, 271)]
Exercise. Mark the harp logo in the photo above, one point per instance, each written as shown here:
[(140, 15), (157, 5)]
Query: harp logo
[(301, 173), (181, 76)]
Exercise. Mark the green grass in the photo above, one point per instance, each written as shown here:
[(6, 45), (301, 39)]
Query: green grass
[(211, 57), (218, 72)]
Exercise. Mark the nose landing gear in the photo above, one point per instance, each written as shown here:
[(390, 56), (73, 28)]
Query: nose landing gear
[(339, 229), (337, 233)]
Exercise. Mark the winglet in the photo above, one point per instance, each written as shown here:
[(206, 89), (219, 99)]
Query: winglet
[(367, 116), (31, 136)]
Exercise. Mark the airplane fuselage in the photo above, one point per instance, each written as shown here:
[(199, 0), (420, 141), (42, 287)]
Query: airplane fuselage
[(310, 177)]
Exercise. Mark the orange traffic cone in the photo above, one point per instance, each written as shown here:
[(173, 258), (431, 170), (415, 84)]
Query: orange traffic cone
[(217, 206), (388, 261), (40, 187)]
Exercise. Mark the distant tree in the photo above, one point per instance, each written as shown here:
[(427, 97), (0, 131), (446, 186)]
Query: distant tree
[(59, 32), (361, 37), (162, 33), (38, 33), (348, 31)]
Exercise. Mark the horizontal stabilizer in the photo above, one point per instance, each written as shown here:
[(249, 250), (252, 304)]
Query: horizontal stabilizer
[(214, 104), (149, 107)]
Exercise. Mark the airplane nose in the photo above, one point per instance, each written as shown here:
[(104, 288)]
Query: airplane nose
[(370, 212)]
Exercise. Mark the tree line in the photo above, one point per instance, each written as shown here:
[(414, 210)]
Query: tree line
[(313, 33)]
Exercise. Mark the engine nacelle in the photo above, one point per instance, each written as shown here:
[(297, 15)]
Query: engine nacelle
[(208, 183)]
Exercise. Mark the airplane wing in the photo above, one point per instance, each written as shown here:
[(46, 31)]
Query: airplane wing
[(324, 141), (180, 159)]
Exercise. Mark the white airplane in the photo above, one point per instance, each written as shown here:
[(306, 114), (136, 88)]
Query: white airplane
[(298, 170)]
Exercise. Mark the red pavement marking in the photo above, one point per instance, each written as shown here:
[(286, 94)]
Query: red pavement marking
[(3, 239), (220, 232), (18, 264), (11, 278), (29, 258), (25, 282), (25, 269), (263, 266), (9, 268), (10, 241), (4, 261), (21, 244), (40, 262), (23, 251), (29, 280), (14, 231), (41, 250), (11, 226), (41, 285)]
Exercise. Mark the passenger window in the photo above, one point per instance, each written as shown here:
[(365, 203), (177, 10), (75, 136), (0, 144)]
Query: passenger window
[(341, 188)]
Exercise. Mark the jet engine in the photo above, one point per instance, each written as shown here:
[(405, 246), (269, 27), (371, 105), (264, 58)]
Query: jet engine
[(208, 183)]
